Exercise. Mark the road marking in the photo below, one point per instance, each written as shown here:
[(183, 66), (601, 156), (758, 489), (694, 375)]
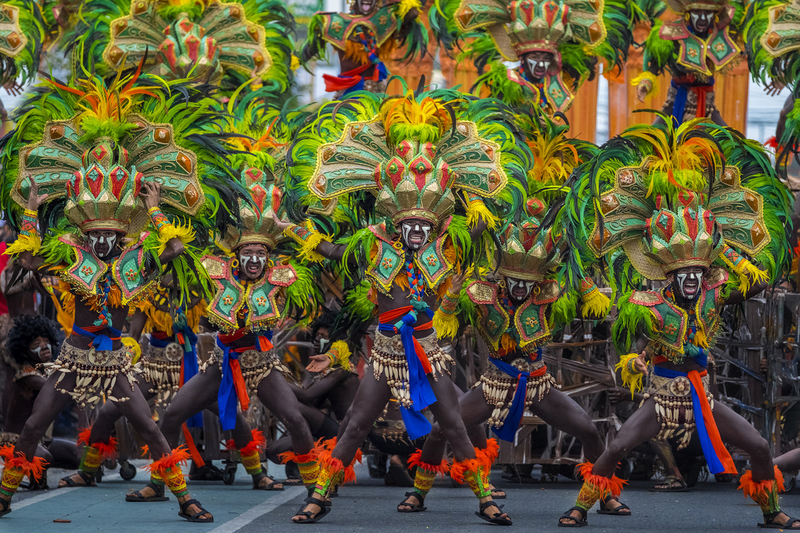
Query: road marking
[(259, 510), (52, 493)]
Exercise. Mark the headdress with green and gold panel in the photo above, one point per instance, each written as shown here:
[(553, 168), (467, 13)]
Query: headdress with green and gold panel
[(575, 32), (227, 43), (658, 199), (90, 147), (772, 35)]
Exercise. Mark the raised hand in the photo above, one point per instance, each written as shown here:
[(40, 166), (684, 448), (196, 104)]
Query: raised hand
[(641, 363), (318, 363), (150, 194), (34, 198)]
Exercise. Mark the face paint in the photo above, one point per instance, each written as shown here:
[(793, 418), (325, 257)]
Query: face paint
[(323, 343), (109, 241), (416, 227), (538, 67), (39, 349), (700, 20), (693, 279), (514, 284), (247, 258)]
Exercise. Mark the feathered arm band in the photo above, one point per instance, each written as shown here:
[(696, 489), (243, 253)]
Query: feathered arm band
[(477, 211), (631, 377), (339, 354), (445, 321), (649, 80), (168, 231), (595, 303), (308, 238), (29, 239), (747, 272)]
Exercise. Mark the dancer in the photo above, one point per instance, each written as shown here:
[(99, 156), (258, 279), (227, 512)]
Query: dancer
[(105, 164), (255, 289), (167, 361), (704, 41), (558, 44), (365, 39), (704, 206), (416, 142), (33, 342)]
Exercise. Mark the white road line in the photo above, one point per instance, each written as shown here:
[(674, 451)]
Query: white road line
[(261, 509), (52, 493)]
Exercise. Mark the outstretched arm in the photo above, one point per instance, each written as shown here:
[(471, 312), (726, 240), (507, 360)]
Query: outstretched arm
[(151, 195), (319, 387), (29, 240), (315, 246)]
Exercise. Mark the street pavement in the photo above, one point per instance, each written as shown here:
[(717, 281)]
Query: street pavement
[(370, 506)]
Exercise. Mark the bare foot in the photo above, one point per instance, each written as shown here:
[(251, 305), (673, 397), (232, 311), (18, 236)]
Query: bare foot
[(492, 511), (192, 509), (613, 504), (409, 503), (146, 492), (497, 493), (574, 517), (785, 521)]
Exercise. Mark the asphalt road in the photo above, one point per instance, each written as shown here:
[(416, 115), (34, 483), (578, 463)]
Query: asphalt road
[(370, 506)]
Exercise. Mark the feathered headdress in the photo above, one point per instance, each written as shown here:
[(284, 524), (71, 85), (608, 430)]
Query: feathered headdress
[(413, 153), (672, 197), (22, 35), (209, 40)]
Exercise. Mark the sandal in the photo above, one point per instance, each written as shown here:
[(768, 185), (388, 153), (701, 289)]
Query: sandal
[(576, 522), (311, 518), (88, 480), (769, 521), (207, 472), (613, 512), (413, 507), (137, 496), (5, 507), (269, 486), (195, 517), (496, 520), (292, 482), (670, 481), (498, 494)]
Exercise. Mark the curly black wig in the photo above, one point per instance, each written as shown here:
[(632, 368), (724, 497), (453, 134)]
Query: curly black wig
[(25, 329)]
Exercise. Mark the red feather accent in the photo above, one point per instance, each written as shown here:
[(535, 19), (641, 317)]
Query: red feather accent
[(753, 488), (179, 456), (259, 442), (17, 461), (442, 469), (107, 450), (611, 486), (491, 451)]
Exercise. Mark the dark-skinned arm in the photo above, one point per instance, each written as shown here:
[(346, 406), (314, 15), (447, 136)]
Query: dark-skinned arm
[(137, 322), (740, 265), (30, 232), (319, 387), (322, 247), (34, 383)]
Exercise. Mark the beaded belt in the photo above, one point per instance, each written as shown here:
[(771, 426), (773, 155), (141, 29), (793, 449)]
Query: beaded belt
[(96, 373), (499, 388)]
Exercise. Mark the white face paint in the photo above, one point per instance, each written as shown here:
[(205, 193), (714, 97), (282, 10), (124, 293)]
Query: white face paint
[(39, 349), (537, 67), (109, 241), (689, 283), (701, 20), (245, 259), (515, 284), (323, 343), (421, 232)]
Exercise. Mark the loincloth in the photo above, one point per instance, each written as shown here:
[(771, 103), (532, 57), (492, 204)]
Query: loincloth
[(389, 359), (255, 365), (674, 407), (161, 367), (95, 372), (690, 110), (499, 388)]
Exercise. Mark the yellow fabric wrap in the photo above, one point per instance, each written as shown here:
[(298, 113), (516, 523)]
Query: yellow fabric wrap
[(171, 231), (477, 210), (341, 353), (307, 246), (646, 76), (446, 325), (747, 272), (630, 377), (25, 243), (133, 347)]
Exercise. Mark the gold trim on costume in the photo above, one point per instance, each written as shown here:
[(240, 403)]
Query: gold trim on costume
[(674, 406), (95, 372)]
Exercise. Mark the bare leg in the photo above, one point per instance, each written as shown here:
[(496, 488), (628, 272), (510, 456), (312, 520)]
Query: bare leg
[(102, 429), (368, 404), (275, 394), (49, 403), (560, 411), (642, 426), (789, 461), (196, 394), (137, 411), (674, 477)]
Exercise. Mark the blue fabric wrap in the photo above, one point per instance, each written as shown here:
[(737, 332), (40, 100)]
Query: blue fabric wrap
[(714, 464), (226, 396), (679, 106), (102, 343), (509, 429), (190, 368), (422, 394)]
